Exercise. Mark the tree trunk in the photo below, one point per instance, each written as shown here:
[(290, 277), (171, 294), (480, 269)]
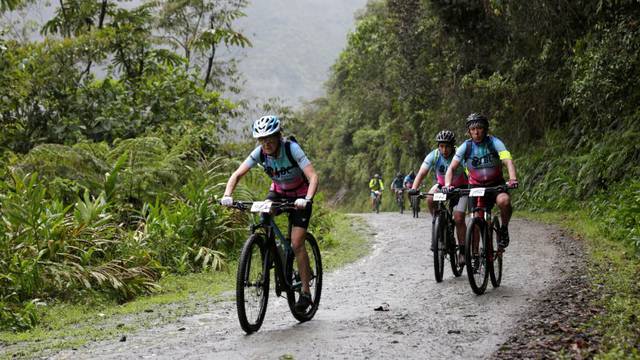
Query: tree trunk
[(103, 13), (207, 77)]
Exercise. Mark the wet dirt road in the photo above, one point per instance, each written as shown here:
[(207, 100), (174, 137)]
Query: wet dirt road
[(425, 320)]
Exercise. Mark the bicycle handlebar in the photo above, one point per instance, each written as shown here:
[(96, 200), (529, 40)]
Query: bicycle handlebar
[(280, 205), (462, 192), (489, 189)]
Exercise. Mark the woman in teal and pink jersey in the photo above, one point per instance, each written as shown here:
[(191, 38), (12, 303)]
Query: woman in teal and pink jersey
[(439, 161), (293, 179)]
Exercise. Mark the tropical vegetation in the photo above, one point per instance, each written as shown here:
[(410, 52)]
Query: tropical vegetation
[(113, 151), (558, 80)]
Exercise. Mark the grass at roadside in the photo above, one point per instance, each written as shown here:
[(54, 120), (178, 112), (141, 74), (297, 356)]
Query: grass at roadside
[(66, 326), (615, 272)]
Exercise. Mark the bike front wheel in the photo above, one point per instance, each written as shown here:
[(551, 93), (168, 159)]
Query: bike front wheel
[(438, 240), (475, 256), (456, 252), (252, 284), (496, 263), (292, 272)]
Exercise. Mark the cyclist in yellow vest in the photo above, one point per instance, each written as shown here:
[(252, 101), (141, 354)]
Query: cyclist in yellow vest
[(376, 187)]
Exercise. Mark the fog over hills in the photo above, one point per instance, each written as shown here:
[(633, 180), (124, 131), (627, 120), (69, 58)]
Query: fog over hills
[(295, 42)]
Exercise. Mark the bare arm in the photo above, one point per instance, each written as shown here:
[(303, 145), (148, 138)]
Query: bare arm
[(235, 177), (312, 176), (449, 175), (511, 168)]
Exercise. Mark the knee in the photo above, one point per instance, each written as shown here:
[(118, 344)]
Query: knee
[(297, 247), (503, 200), (458, 217)]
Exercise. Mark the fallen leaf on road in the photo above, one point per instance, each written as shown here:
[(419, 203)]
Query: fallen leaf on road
[(383, 307)]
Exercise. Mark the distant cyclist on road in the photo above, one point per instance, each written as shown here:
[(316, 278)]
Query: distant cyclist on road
[(439, 160), (397, 183), (293, 179), (376, 187), (397, 187), (484, 156), (409, 179)]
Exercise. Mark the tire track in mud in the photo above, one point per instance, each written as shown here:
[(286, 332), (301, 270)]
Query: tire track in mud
[(425, 319)]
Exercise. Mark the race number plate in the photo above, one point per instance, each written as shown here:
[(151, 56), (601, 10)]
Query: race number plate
[(439, 196), (477, 192), (261, 206)]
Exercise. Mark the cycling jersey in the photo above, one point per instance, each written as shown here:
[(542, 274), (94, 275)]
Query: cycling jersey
[(408, 181), (484, 160), (376, 185), (397, 183), (437, 162), (287, 178)]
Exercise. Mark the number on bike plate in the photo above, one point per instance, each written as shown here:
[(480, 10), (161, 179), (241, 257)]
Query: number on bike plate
[(261, 206), (439, 196), (476, 192)]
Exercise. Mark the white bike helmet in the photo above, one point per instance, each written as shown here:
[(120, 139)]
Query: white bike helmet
[(265, 126)]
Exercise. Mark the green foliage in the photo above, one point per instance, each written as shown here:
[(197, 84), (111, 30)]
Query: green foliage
[(110, 182), (557, 79), (51, 96), (66, 169)]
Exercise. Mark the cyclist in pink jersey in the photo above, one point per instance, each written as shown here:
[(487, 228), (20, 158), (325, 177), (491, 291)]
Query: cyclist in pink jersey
[(439, 161), (293, 178), (483, 156)]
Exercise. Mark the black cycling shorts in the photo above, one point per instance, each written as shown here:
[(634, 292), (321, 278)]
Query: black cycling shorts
[(489, 200), (298, 218)]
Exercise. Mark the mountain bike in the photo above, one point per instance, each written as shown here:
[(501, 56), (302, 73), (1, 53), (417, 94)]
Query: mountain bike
[(376, 201), (415, 205), (265, 249), (483, 257), (443, 241), (400, 199)]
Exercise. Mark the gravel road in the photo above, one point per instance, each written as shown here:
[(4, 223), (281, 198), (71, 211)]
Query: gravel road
[(425, 319)]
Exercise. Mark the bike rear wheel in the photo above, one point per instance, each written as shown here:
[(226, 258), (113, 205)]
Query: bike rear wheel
[(496, 264), (438, 239), (475, 256), (315, 283), (252, 284)]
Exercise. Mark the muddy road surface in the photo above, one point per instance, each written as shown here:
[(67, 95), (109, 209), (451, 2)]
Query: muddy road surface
[(425, 319)]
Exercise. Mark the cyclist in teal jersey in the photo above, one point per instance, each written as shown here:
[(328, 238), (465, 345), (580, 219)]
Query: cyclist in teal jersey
[(483, 155), (293, 179), (409, 179), (396, 184), (439, 161)]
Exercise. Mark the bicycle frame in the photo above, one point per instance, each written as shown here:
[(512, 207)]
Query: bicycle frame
[(279, 248), (266, 248), (446, 207), (481, 209)]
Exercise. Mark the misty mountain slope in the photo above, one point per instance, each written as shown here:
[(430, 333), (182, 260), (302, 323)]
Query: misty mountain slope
[(294, 45)]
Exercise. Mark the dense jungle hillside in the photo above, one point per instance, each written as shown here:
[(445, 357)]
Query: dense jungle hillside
[(293, 43), (112, 125), (556, 78)]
